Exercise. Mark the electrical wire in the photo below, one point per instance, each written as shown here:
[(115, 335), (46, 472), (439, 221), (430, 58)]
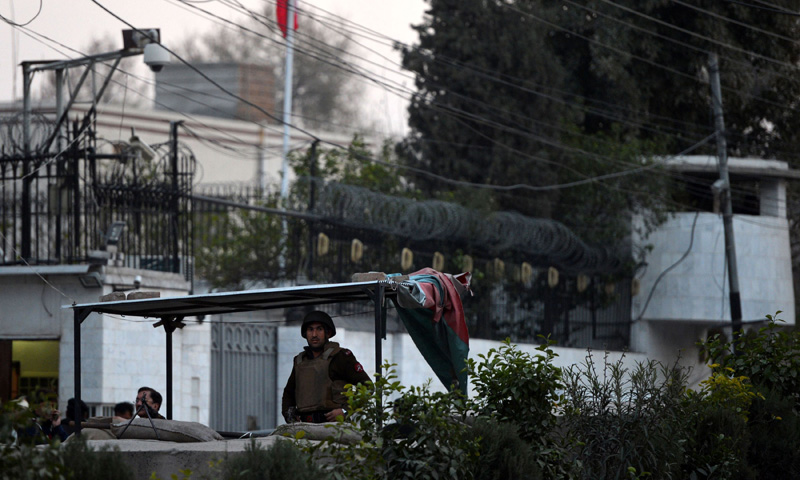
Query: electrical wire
[(773, 10), (668, 269), (15, 24)]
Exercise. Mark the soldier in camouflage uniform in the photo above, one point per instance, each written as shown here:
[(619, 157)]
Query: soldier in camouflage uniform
[(314, 391)]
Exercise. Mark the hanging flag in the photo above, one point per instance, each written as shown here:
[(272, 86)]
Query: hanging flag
[(281, 11), (433, 315)]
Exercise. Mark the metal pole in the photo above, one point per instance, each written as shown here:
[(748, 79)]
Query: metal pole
[(169, 330), (26, 164), (379, 299), (59, 105), (727, 208), (173, 132), (78, 317)]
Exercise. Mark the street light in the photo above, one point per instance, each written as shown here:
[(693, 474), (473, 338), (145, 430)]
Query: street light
[(135, 42), (114, 234)]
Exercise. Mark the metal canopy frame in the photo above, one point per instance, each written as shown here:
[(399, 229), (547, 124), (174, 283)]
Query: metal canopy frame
[(171, 311)]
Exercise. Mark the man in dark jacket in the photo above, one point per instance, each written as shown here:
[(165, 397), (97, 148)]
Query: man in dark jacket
[(314, 391), (152, 402)]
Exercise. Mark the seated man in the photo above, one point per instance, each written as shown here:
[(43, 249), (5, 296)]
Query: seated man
[(124, 410), (75, 413), (44, 427), (151, 400), (314, 391)]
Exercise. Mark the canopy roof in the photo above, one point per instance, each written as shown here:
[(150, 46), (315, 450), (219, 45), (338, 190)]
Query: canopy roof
[(243, 301), (172, 310)]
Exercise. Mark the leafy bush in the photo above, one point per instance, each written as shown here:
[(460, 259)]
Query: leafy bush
[(718, 441), (517, 387), (429, 439), (774, 431), (74, 460), (419, 435), (503, 454), (769, 357), (86, 463), (621, 422), (769, 446), (522, 389), (281, 460)]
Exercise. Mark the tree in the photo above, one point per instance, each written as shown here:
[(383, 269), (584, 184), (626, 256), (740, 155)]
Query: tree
[(469, 121), (323, 91), (243, 248), (530, 92), (494, 107), (650, 59)]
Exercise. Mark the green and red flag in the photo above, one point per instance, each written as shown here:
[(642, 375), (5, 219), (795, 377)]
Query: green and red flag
[(430, 307), (282, 12)]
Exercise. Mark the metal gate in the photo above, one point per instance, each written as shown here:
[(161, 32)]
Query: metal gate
[(243, 371)]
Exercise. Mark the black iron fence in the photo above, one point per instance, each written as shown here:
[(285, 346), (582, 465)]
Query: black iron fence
[(88, 204), (512, 298)]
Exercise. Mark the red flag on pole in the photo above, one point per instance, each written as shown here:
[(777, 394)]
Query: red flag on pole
[(282, 12)]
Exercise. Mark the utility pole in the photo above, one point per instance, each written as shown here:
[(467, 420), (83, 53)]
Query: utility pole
[(725, 191)]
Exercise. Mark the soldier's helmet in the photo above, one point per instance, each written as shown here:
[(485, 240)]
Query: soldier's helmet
[(318, 317)]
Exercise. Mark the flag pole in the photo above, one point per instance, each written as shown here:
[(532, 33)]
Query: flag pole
[(287, 119), (287, 96)]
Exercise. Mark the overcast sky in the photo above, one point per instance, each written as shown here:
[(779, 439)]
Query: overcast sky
[(74, 23)]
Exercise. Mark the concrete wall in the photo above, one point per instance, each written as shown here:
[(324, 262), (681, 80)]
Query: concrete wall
[(696, 290), (118, 354), (411, 368)]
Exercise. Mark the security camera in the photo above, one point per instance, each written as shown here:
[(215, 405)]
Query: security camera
[(156, 56), (137, 282), (138, 146)]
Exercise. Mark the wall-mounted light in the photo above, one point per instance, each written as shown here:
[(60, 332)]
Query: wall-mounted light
[(323, 244), (114, 233), (466, 263), (356, 250), (406, 258), (91, 280), (438, 261), (552, 277)]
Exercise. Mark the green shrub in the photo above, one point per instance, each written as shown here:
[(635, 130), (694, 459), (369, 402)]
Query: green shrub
[(517, 387), (521, 389), (281, 460), (718, 443), (419, 435), (86, 463), (769, 357), (624, 423), (503, 454), (774, 431), (26, 461), (428, 438)]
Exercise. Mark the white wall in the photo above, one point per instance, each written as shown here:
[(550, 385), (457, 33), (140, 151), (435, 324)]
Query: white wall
[(697, 289), (411, 367)]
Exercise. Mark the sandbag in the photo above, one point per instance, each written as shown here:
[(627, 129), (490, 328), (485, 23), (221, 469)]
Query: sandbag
[(168, 430), (342, 433)]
